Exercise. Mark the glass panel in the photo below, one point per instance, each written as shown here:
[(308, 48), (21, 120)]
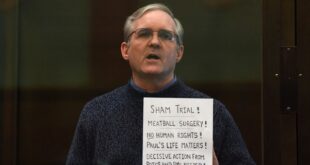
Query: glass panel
[(54, 71), (54, 44), (223, 57), (69, 53), (8, 79)]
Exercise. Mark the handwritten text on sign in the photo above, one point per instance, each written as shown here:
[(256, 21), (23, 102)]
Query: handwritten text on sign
[(177, 131)]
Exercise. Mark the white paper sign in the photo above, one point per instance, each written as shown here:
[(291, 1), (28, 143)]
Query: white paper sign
[(177, 131)]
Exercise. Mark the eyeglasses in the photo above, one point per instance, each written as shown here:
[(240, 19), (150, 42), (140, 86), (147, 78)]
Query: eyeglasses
[(146, 34)]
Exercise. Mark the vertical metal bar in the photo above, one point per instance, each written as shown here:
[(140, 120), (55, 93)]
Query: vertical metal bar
[(288, 83), (288, 23), (303, 116), (18, 85)]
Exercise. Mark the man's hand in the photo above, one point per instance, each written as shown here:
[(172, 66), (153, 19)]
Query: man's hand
[(215, 161)]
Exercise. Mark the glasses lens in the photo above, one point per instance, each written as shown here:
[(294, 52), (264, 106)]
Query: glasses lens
[(165, 35), (144, 33)]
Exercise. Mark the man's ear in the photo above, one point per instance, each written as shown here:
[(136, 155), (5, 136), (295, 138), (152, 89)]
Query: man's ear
[(180, 51), (124, 50)]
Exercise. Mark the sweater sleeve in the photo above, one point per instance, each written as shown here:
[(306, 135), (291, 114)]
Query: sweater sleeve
[(232, 150), (80, 151)]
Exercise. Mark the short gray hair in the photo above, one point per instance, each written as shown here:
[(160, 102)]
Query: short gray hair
[(128, 27)]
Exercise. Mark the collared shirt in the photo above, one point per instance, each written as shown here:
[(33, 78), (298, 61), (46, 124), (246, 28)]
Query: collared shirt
[(137, 88)]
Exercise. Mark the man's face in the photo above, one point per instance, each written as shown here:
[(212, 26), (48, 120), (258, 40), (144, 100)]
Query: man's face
[(155, 55)]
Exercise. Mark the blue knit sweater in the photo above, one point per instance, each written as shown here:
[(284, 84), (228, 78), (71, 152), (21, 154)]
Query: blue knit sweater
[(110, 128)]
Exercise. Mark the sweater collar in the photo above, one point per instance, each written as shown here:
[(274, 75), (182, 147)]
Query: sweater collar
[(140, 90)]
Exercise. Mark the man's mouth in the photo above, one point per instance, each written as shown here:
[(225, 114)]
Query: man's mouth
[(153, 57)]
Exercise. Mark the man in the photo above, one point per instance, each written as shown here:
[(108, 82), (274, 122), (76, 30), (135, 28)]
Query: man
[(109, 130)]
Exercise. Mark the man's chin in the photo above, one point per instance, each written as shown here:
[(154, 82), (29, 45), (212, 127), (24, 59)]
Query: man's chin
[(152, 71)]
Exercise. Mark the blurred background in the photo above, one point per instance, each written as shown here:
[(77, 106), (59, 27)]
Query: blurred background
[(56, 55)]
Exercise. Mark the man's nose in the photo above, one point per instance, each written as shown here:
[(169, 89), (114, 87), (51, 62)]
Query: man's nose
[(155, 41)]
